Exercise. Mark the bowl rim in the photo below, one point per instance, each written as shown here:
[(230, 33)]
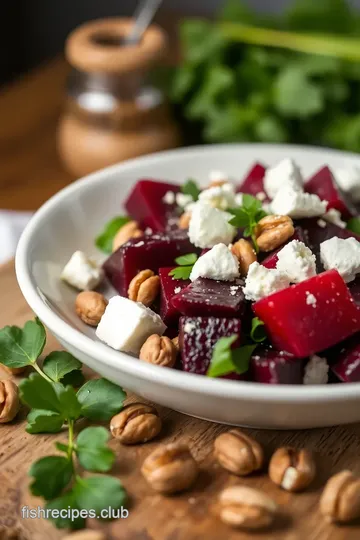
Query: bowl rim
[(157, 374)]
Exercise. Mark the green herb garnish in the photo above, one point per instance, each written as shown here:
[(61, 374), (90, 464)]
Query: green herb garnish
[(55, 404), (226, 360), (247, 216), (105, 240), (186, 263), (257, 332), (354, 225), (191, 188)]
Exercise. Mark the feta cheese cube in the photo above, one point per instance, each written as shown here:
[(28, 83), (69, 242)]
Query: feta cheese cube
[(348, 178), (296, 204), (221, 197), (297, 261), (261, 282), (285, 173), (341, 255), (210, 226), (126, 325), (82, 272), (183, 200), (239, 199), (218, 176), (316, 371), (169, 197), (218, 263), (334, 216)]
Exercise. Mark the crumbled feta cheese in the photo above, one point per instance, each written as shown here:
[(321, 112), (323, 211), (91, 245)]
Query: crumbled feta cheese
[(297, 204), (321, 223), (221, 197), (316, 371), (239, 199), (218, 176), (82, 272), (183, 200), (210, 226), (261, 282), (342, 255), (218, 263), (297, 261), (334, 216), (126, 325), (285, 173), (310, 299), (348, 178), (169, 197), (177, 290), (261, 196)]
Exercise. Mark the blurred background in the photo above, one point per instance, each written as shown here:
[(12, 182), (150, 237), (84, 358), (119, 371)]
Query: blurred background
[(285, 71)]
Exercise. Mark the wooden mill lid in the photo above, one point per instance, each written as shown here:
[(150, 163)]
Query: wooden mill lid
[(96, 47)]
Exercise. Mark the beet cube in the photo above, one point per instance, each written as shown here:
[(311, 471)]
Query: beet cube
[(152, 252), (310, 316), (169, 288), (207, 297), (276, 367), (145, 204), (271, 260), (198, 336), (324, 185), (354, 288), (253, 182), (347, 366)]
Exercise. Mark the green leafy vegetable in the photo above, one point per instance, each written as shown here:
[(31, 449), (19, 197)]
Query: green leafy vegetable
[(40, 421), (191, 188), (354, 225), (51, 475), (100, 399), (99, 492), (226, 360), (105, 240), (20, 347), (92, 450), (60, 363), (257, 332), (248, 216), (186, 263), (38, 393), (64, 502)]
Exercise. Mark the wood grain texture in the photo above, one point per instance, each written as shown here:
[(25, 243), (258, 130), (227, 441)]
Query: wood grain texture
[(190, 515)]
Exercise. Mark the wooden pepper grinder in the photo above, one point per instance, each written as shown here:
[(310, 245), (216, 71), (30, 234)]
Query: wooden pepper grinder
[(111, 113)]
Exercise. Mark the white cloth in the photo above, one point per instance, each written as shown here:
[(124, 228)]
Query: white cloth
[(12, 225)]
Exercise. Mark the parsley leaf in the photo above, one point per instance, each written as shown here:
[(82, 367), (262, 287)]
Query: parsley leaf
[(191, 188), (59, 363), (38, 393), (354, 225), (20, 347), (62, 447), (226, 360), (105, 240), (51, 475), (257, 332), (75, 379), (99, 492), (70, 407), (65, 502), (40, 421), (92, 450), (100, 399), (296, 95), (247, 216), (188, 259)]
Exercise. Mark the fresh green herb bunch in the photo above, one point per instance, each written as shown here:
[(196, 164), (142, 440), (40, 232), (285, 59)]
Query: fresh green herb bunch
[(50, 393), (236, 91)]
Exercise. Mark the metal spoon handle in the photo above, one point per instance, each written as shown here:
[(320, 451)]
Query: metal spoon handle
[(144, 14)]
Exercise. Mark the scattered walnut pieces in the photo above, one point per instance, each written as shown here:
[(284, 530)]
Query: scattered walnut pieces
[(144, 287), (9, 401), (184, 220), (127, 231), (273, 231), (238, 453), (136, 423), (159, 350), (90, 307), (340, 500), (86, 535), (244, 251), (292, 469)]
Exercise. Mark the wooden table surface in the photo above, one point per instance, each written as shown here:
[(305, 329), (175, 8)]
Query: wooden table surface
[(29, 173)]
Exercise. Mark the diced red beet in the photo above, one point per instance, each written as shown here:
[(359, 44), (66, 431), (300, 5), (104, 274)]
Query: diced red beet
[(271, 260), (276, 367), (198, 336), (347, 366), (310, 316), (207, 297), (149, 252), (323, 184), (169, 288), (354, 287), (253, 182), (145, 204)]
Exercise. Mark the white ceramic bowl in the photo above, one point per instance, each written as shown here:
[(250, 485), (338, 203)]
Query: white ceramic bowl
[(72, 219)]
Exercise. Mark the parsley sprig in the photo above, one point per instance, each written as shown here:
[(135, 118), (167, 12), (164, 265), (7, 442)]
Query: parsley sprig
[(247, 216), (51, 394), (105, 240), (186, 263), (354, 225), (228, 359), (191, 188)]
